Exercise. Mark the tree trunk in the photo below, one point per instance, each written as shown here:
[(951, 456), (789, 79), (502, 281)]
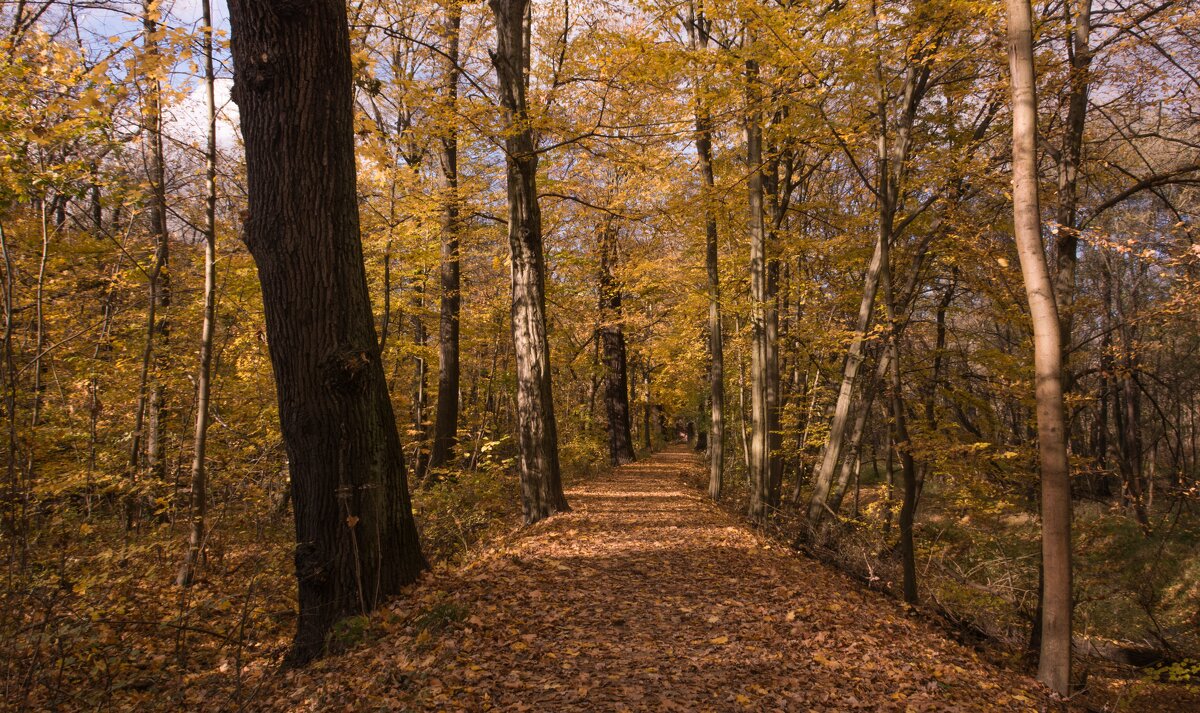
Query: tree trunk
[(1129, 429), (39, 341), (841, 412), (16, 523), (890, 464), (891, 172), (760, 351), (150, 397), (199, 500), (892, 167), (900, 439), (356, 542), (161, 291), (385, 320), (776, 214), (1054, 661), (741, 358), (144, 396), (420, 393), (939, 353), (809, 418), (882, 373), (445, 425), (1070, 155), (612, 339), (541, 483), (698, 33), (646, 443)]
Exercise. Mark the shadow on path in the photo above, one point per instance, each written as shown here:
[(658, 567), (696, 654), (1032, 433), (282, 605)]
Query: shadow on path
[(648, 597)]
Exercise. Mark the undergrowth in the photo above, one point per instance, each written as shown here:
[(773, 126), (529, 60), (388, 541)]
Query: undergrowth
[(1137, 613), (95, 621)]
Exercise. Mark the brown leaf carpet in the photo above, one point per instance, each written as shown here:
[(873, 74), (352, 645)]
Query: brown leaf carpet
[(648, 597)]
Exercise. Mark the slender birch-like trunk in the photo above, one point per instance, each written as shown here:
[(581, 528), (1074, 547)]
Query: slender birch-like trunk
[(1054, 660), (199, 476)]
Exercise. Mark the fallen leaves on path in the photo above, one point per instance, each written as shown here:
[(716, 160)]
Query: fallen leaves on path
[(649, 597)]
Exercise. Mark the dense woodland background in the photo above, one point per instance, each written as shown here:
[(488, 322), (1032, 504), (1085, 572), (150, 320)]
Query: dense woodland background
[(862, 123)]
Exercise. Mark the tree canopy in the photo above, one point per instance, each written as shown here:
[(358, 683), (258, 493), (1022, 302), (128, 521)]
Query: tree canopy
[(922, 298)]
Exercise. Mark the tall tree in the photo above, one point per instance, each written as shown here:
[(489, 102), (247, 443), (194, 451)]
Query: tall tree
[(356, 542), (147, 419), (445, 424), (199, 494), (1078, 36), (855, 356), (698, 29), (1054, 661), (541, 481), (612, 341), (892, 159), (763, 496), (899, 430)]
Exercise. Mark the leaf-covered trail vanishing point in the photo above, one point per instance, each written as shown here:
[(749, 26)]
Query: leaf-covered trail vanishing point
[(649, 597)]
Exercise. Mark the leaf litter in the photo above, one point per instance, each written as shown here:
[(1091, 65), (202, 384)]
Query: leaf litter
[(647, 596)]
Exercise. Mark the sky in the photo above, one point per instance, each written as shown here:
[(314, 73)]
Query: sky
[(120, 22)]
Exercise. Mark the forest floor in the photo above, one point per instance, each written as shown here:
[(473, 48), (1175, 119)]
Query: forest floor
[(647, 596)]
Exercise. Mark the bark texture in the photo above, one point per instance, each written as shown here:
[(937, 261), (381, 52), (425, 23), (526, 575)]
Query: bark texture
[(445, 424), (356, 542), (541, 482), (764, 372), (612, 340), (698, 34)]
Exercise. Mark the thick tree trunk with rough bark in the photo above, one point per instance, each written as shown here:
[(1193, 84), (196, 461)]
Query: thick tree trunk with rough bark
[(356, 542), (612, 340), (445, 424), (541, 483), (1054, 660)]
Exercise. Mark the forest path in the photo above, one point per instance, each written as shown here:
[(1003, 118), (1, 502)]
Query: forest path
[(647, 596)]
